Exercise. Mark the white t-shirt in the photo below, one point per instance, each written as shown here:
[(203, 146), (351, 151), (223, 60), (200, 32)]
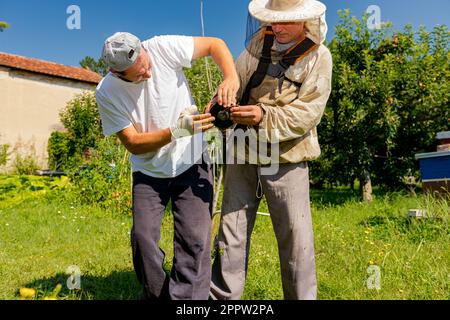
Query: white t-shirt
[(154, 104)]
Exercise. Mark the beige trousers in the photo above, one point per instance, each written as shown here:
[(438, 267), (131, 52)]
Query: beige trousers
[(287, 195)]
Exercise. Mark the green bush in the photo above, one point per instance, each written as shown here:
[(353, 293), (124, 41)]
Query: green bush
[(16, 189), (3, 154), (106, 180), (98, 167), (58, 150), (25, 164), (82, 122)]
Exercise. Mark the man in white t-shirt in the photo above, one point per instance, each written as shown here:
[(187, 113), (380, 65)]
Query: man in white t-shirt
[(145, 100)]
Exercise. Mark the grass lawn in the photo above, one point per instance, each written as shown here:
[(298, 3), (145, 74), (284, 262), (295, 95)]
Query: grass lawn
[(43, 233)]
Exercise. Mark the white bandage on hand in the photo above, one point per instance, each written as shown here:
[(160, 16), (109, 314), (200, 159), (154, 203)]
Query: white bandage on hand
[(185, 123)]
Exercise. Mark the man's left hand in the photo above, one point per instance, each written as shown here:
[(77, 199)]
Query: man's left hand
[(247, 115), (226, 94)]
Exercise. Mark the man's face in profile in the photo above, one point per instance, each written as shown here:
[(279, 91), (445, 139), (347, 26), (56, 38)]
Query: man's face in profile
[(287, 32), (140, 70)]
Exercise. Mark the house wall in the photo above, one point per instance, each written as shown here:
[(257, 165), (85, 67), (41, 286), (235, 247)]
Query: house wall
[(30, 104)]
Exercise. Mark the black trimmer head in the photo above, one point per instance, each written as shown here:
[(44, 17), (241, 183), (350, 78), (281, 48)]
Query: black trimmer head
[(222, 116)]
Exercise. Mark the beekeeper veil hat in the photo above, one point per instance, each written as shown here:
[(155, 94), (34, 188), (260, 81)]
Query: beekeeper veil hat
[(263, 13)]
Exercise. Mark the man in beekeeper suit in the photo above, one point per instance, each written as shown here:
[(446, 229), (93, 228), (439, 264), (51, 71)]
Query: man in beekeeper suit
[(285, 75)]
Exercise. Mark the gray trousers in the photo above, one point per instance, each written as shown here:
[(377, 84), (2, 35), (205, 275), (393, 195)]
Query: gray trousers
[(287, 195), (191, 195)]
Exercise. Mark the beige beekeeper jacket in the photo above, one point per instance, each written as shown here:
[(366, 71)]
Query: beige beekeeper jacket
[(294, 112)]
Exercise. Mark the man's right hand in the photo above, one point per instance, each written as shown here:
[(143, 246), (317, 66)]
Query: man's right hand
[(191, 122)]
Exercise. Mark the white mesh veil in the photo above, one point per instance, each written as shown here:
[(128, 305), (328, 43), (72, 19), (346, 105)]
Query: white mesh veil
[(316, 30)]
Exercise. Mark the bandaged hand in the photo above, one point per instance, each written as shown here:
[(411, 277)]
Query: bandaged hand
[(190, 122)]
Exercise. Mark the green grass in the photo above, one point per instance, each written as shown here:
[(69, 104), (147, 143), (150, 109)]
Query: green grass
[(43, 232), (413, 256)]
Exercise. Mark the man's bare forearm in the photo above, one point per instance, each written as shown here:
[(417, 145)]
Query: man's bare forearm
[(224, 59), (226, 93), (141, 143)]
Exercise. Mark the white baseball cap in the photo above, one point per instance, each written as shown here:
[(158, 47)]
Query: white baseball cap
[(121, 50)]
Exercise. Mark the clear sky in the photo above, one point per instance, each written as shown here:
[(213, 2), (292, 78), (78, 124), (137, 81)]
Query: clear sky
[(38, 27)]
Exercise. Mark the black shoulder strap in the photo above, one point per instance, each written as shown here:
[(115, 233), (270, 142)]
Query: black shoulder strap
[(260, 73), (298, 52), (266, 67), (290, 58)]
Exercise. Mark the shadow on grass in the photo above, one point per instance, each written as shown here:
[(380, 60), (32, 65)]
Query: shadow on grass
[(333, 197), (415, 230), (119, 285)]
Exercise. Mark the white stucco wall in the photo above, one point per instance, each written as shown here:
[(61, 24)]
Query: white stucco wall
[(29, 109)]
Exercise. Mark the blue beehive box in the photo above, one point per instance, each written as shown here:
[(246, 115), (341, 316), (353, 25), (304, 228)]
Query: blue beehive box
[(435, 168)]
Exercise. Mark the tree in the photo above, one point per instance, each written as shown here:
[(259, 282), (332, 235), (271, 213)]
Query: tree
[(421, 101), (389, 98), (98, 66)]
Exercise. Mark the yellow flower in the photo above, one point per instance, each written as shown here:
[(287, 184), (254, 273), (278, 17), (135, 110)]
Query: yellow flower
[(381, 254), (27, 293)]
